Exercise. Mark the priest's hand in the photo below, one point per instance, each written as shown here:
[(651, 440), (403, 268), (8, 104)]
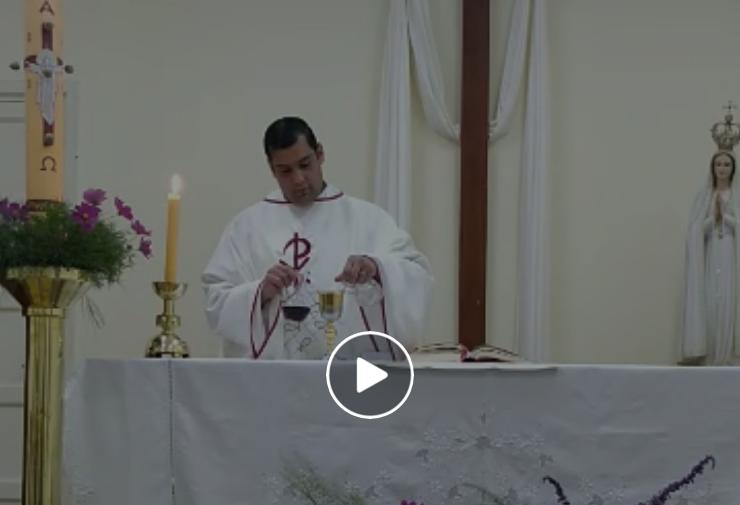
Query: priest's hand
[(276, 279), (358, 270)]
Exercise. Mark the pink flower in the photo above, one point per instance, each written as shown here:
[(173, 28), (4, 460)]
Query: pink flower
[(94, 196), (123, 210), (86, 216), (140, 229), (145, 247)]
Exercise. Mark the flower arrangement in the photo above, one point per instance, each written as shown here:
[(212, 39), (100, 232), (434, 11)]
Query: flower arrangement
[(80, 237), (305, 484), (659, 498)]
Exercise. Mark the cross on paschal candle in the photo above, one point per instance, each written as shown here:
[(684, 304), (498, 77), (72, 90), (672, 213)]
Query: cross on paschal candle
[(473, 174), (44, 101)]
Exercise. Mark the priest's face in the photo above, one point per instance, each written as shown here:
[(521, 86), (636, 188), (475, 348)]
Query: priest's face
[(298, 171)]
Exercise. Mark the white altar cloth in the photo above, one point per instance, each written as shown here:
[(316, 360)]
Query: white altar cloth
[(223, 432)]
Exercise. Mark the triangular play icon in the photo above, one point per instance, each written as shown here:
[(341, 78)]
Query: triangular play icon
[(368, 375)]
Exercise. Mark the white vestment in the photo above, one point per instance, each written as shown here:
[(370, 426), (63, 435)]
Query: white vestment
[(316, 241), (711, 319)]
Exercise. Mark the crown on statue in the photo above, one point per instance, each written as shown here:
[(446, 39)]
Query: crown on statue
[(726, 134)]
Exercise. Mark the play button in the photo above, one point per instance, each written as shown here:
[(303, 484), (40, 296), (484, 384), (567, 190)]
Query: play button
[(369, 375)]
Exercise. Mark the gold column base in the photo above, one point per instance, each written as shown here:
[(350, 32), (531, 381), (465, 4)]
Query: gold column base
[(167, 344), (44, 294)]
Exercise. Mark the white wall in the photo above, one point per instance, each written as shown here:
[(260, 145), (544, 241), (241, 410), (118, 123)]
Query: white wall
[(636, 87), (189, 86)]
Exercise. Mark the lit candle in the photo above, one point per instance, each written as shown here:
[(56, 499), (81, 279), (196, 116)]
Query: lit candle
[(173, 209)]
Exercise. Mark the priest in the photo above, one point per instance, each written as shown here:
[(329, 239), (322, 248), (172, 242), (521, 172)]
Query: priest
[(274, 257)]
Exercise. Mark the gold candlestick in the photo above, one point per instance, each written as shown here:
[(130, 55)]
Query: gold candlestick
[(168, 343)]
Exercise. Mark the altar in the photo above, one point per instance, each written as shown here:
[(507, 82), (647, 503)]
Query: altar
[(226, 432)]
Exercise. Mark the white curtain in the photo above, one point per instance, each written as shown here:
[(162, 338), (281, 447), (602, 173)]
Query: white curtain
[(409, 26), (533, 306), (393, 154)]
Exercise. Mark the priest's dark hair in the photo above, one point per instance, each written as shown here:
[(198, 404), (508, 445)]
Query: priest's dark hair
[(284, 132)]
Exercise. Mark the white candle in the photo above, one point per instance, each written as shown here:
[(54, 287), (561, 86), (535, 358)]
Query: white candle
[(173, 211)]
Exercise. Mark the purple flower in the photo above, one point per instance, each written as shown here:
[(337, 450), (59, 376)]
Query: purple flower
[(562, 499), (86, 216), (404, 502), (662, 497), (94, 196), (145, 247), (658, 499), (4, 208), (140, 229), (123, 210), (14, 211)]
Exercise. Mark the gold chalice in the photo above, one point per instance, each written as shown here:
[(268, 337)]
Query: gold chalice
[(330, 308)]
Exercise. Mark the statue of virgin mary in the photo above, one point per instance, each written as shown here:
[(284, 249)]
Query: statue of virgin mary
[(711, 329)]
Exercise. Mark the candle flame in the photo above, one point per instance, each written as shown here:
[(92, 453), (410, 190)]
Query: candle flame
[(176, 185)]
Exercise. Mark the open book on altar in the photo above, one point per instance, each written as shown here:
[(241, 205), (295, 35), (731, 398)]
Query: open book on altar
[(447, 352)]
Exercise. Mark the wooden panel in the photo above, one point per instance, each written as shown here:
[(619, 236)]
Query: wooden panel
[(474, 173)]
